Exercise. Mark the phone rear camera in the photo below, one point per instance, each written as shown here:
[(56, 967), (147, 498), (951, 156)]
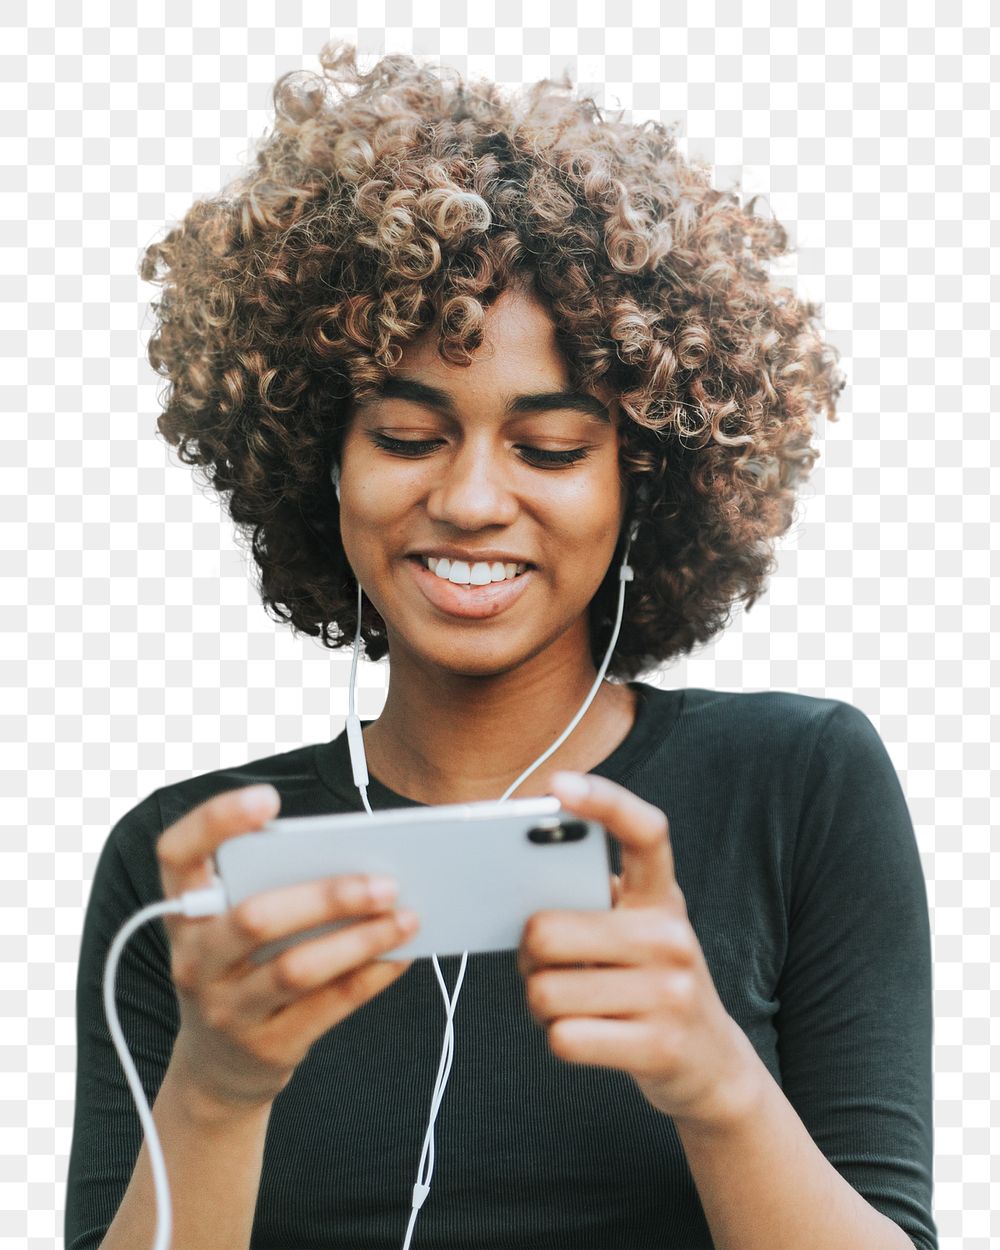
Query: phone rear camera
[(545, 833)]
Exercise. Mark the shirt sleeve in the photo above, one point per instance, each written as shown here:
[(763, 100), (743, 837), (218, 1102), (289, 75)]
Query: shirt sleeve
[(855, 1021), (107, 1133)]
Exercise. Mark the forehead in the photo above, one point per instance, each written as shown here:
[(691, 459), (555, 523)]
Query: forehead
[(516, 323), (518, 368)]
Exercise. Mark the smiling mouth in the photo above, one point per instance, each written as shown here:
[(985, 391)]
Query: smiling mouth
[(462, 600), (512, 571)]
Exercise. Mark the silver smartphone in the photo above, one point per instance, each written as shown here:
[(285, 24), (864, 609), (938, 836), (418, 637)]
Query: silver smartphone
[(472, 872)]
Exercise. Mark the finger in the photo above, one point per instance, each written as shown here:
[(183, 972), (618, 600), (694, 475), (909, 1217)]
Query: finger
[(551, 993), (185, 849), (632, 1045), (641, 829), (317, 961), (312, 1015), (266, 995), (616, 889), (271, 915), (619, 938)]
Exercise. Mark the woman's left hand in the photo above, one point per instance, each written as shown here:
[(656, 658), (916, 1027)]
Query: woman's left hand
[(645, 1001)]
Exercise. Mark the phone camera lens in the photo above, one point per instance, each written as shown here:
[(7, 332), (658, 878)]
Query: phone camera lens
[(548, 832)]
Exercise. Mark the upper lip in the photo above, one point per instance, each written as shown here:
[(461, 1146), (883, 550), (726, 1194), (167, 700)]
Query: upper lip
[(489, 556)]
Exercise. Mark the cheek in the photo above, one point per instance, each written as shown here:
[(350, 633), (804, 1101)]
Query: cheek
[(597, 521), (586, 564), (371, 504)]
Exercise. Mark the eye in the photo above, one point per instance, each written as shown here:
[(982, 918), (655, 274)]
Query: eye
[(543, 459), (403, 446), (539, 458)]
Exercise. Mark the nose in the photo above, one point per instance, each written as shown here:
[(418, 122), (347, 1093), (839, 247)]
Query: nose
[(473, 491)]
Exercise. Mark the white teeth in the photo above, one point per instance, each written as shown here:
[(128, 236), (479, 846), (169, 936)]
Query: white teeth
[(479, 574)]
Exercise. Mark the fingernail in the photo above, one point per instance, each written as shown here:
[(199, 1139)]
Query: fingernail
[(383, 889), (573, 785), (257, 799)]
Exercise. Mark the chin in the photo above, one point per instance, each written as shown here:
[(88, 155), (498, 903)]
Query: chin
[(478, 658), (489, 664)]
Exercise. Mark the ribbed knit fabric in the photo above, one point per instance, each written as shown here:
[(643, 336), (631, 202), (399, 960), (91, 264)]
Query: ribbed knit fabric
[(796, 855)]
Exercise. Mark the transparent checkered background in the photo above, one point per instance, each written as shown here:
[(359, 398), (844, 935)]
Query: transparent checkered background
[(133, 651)]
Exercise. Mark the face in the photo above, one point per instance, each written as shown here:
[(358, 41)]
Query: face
[(490, 462)]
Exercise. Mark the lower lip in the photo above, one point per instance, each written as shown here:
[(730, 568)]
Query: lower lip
[(474, 602)]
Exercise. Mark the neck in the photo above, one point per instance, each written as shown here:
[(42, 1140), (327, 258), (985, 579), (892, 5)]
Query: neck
[(449, 738)]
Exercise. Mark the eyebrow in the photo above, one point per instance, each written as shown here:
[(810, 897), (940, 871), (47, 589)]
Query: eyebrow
[(398, 387)]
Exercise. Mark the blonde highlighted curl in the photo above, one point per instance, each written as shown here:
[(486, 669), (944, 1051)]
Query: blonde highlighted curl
[(414, 199)]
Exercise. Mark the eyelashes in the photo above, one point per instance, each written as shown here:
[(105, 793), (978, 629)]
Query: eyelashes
[(538, 457)]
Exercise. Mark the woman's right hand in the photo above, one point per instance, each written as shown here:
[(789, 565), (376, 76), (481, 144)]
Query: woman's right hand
[(245, 1026)]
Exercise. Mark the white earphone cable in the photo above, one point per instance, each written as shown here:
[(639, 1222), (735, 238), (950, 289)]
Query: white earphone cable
[(359, 766), (206, 902), (625, 574), (211, 900), (355, 741)]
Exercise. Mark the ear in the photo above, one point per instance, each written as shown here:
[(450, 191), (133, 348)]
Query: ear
[(643, 495)]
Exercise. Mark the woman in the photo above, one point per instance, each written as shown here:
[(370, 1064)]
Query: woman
[(438, 335)]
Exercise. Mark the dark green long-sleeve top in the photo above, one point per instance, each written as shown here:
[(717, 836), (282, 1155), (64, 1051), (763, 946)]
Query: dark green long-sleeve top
[(796, 856)]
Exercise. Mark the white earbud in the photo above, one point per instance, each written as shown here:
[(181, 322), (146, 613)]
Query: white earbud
[(335, 478)]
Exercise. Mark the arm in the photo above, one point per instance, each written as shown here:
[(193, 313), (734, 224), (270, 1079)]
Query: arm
[(213, 1160), (206, 1029), (764, 1184), (840, 1155)]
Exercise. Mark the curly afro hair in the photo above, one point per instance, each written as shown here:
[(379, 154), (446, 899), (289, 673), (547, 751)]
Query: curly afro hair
[(413, 200)]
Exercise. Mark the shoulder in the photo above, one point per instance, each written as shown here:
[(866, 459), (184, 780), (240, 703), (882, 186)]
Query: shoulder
[(783, 722), (776, 743), (770, 711), (292, 773), (132, 840)]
